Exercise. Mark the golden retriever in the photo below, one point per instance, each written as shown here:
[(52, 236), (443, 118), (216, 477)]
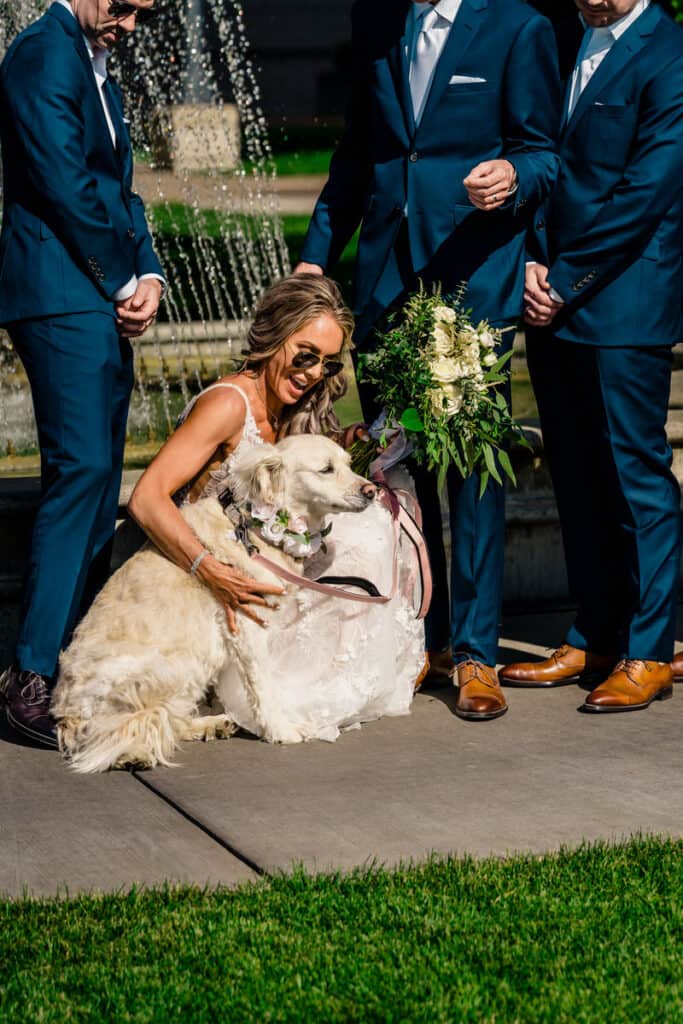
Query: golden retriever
[(155, 639)]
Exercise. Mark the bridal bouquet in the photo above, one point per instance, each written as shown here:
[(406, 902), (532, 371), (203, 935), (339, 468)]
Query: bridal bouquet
[(436, 375)]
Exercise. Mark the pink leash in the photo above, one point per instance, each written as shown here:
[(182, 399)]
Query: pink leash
[(401, 520)]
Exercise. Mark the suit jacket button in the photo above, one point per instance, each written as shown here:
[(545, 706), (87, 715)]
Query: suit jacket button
[(131, 233), (540, 226), (413, 158)]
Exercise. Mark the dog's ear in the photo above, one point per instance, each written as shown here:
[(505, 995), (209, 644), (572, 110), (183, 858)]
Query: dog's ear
[(257, 475)]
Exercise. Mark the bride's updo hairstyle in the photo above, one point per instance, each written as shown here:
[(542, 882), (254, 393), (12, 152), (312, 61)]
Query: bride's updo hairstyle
[(285, 308)]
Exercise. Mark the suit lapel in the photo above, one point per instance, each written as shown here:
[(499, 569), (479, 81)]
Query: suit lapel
[(621, 54), (73, 29), (468, 21), (398, 62)]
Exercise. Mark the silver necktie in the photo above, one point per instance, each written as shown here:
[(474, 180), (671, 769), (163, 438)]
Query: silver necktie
[(422, 65)]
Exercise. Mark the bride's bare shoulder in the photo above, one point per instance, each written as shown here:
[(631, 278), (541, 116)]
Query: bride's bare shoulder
[(222, 407)]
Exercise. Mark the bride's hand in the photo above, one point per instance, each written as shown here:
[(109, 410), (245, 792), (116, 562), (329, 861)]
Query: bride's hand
[(236, 591)]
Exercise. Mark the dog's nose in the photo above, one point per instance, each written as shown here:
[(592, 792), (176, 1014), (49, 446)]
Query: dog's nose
[(368, 491)]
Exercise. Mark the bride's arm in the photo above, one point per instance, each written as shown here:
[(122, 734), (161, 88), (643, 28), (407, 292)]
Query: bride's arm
[(216, 419)]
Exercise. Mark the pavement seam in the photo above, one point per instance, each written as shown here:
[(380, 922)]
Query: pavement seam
[(232, 850)]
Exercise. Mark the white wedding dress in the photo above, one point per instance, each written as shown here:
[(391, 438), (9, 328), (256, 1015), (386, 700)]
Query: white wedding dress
[(331, 663)]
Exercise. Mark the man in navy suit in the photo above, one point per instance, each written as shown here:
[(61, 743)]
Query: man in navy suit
[(78, 279), (449, 148), (603, 304)]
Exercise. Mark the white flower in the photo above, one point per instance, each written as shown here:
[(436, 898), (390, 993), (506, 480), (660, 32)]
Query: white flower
[(444, 370), (486, 338), (444, 313), (468, 359), (273, 531), (301, 548), (453, 396), (297, 524), (438, 400), (446, 400), (489, 359), (263, 512), (467, 335), (441, 343)]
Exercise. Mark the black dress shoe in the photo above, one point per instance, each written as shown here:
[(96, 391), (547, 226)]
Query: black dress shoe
[(27, 705)]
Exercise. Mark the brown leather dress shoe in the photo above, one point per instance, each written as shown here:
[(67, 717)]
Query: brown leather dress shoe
[(677, 667), (27, 705), (479, 694), (565, 665), (632, 686)]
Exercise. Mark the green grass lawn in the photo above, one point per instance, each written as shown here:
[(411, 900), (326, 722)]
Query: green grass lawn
[(307, 161), (588, 936)]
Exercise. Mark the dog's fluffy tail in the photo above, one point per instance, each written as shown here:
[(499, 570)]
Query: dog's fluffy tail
[(143, 737)]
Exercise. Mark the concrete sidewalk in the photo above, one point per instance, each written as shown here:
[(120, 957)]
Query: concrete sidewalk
[(541, 776)]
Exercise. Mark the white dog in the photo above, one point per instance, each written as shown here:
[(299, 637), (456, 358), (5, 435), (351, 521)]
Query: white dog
[(155, 639)]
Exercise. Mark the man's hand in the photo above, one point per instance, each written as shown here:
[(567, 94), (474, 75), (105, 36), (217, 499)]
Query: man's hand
[(134, 315), (308, 268), (539, 309), (488, 184)]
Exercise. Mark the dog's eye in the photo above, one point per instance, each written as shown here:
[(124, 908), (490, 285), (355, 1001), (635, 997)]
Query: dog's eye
[(329, 468)]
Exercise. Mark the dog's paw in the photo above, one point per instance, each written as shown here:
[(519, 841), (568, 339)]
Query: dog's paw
[(212, 727), (225, 729)]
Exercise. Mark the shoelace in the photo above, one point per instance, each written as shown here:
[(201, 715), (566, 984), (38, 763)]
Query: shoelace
[(559, 653), (629, 665), (34, 691), (477, 668)]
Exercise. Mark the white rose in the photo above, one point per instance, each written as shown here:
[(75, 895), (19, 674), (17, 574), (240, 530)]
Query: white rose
[(453, 395), (298, 548), (466, 336), (297, 524), (445, 313), (273, 531), (489, 359), (438, 400), (486, 338), (444, 369), (441, 343)]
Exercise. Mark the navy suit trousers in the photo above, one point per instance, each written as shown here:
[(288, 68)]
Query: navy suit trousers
[(603, 413), (81, 376)]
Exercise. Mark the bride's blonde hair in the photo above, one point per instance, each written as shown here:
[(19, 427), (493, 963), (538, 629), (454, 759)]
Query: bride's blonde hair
[(285, 308)]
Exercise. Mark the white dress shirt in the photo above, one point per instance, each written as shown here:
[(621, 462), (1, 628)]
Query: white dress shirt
[(597, 43), (99, 66), (441, 16)]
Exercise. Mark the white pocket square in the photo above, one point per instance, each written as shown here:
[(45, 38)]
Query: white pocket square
[(464, 80)]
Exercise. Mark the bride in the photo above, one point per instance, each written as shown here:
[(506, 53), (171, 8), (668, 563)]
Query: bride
[(337, 663)]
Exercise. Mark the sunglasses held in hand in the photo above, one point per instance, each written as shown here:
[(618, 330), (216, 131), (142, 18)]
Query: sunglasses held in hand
[(120, 9)]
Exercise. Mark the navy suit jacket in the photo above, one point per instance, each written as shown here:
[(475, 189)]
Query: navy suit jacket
[(386, 161), (612, 231), (73, 231)]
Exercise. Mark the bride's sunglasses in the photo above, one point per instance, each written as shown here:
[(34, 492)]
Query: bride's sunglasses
[(119, 9), (304, 360)]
